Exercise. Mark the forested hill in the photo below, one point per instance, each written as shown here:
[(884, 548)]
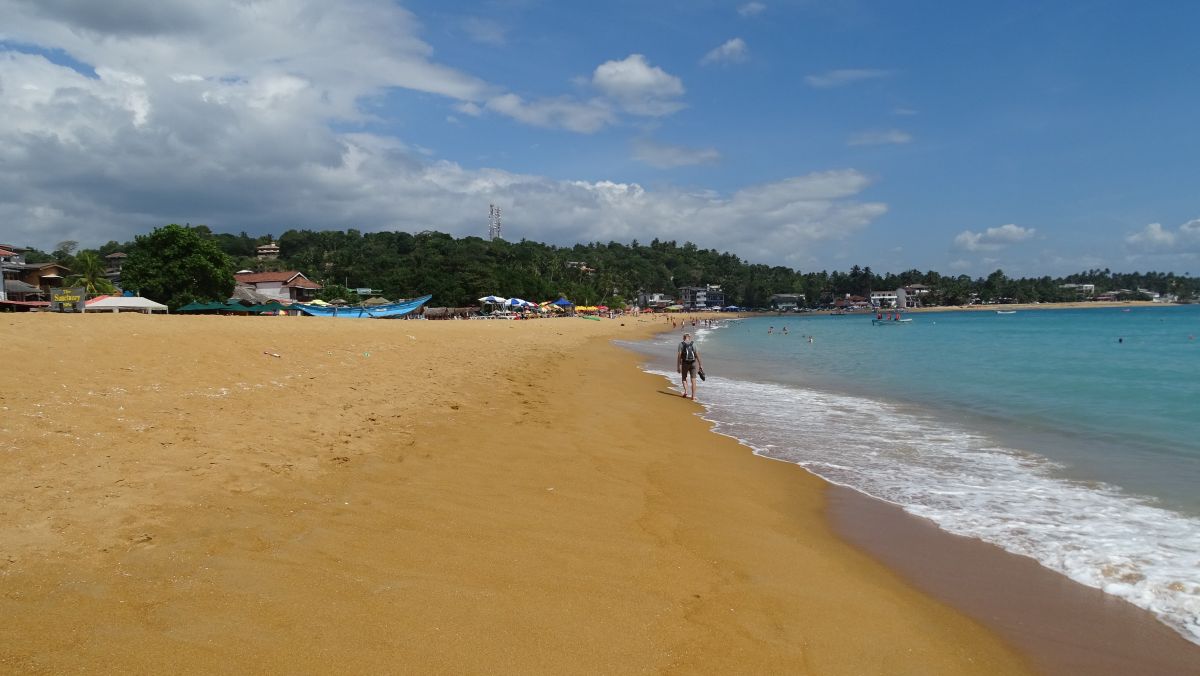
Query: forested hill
[(459, 270)]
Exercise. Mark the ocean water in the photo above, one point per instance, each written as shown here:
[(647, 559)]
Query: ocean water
[(1070, 436)]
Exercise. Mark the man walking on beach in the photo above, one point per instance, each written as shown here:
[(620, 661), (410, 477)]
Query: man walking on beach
[(687, 362)]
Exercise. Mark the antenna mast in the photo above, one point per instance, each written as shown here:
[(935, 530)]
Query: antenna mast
[(494, 222)]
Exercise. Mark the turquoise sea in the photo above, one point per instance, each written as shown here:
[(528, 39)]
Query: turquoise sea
[(1070, 436)]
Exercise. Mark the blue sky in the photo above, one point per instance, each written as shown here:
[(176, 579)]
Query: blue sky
[(1043, 138)]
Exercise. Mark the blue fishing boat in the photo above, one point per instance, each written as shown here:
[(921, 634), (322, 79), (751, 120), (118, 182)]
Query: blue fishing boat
[(361, 312)]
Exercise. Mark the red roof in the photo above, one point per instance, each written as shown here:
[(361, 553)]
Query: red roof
[(290, 278), (93, 300), (4, 253), (25, 303)]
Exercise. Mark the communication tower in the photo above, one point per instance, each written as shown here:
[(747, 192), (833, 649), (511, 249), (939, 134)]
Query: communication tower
[(494, 222)]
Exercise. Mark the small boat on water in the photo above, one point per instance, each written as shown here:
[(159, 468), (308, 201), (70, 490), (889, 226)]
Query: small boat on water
[(1006, 312), (364, 312), (893, 318)]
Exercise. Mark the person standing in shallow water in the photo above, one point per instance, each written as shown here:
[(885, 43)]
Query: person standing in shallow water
[(687, 362)]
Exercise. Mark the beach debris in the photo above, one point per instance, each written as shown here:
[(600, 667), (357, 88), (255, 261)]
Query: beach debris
[(272, 354)]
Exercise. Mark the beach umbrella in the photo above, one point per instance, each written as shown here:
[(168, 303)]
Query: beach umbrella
[(516, 302), (493, 300), (563, 302)]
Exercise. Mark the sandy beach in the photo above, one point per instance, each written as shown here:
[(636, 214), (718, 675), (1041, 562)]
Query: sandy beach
[(415, 497)]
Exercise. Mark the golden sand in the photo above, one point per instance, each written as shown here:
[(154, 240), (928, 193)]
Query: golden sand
[(414, 497)]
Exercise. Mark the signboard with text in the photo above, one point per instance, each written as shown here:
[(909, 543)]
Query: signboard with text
[(68, 300)]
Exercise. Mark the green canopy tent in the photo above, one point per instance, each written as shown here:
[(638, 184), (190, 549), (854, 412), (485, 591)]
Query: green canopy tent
[(197, 308), (272, 306), (193, 307), (234, 308)]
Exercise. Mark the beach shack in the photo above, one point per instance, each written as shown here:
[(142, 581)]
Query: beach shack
[(287, 287)]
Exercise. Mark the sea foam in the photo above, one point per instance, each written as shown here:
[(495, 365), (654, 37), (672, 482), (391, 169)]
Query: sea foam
[(1094, 533)]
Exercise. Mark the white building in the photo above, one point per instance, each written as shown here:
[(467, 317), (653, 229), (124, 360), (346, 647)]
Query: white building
[(1081, 289), (656, 300), (883, 298)]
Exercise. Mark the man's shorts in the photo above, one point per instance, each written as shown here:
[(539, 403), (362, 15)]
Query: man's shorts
[(688, 367)]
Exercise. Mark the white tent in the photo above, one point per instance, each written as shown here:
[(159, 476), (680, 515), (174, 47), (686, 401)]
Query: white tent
[(124, 304)]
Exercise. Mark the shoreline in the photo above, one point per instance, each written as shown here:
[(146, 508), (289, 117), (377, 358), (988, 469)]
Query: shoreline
[(413, 500), (1062, 626)]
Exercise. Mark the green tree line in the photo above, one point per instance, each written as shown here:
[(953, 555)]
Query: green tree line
[(458, 270)]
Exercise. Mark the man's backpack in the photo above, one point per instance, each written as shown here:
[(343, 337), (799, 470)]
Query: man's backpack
[(689, 351)]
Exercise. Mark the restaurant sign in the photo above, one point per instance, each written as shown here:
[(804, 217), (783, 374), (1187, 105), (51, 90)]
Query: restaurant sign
[(68, 300)]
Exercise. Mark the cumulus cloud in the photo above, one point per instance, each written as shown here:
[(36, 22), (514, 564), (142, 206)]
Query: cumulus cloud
[(730, 51), (878, 137), (843, 77), (751, 9), (564, 113), (993, 239), (1154, 238), (361, 47), (664, 156), (231, 118), (638, 87)]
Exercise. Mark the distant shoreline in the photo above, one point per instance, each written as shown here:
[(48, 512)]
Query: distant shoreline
[(1073, 305)]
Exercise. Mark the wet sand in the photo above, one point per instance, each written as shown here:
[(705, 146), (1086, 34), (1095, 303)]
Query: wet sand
[(1064, 627), (415, 497)]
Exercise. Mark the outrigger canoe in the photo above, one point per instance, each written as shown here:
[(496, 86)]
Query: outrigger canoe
[(358, 311)]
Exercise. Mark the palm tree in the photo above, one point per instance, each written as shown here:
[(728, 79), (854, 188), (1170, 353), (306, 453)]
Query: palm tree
[(89, 273)]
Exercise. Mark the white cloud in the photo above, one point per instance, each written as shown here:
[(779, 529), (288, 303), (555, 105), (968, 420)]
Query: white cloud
[(565, 113), (751, 9), (485, 31), (469, 108), (664, 156), (226, 118), (843, 77), (1154, 238), (638, 87), (350, 50), (877, 137), (730, 51), (338, 54), (992, 239)]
